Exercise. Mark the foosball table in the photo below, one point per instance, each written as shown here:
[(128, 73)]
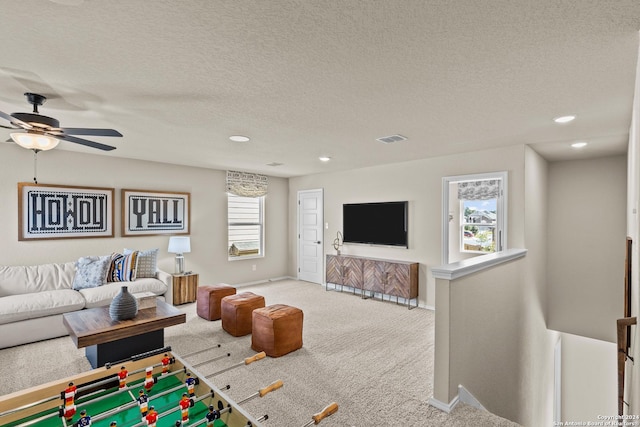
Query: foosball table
[(156, 389)]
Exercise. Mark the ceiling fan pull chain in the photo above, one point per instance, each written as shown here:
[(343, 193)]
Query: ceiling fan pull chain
[(35, 166)]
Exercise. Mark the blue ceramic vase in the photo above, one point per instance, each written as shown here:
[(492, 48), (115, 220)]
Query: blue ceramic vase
[(124, 305)]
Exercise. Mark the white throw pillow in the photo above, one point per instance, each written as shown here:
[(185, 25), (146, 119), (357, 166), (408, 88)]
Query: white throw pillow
[(147, 263), (91, 271)]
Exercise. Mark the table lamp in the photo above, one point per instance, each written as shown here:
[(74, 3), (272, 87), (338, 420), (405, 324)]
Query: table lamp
[(179, 245)]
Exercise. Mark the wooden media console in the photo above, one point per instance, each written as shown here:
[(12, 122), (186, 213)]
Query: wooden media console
[(386, 277)]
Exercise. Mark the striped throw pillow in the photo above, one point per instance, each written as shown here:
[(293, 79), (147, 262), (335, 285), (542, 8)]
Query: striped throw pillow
[(123, 267)]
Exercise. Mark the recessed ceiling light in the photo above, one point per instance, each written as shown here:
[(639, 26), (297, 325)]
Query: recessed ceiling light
[(579, 144), (324, 158), (239, 138), (564, 119)]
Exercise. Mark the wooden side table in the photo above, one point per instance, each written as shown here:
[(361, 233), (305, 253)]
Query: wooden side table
[(185, 288)]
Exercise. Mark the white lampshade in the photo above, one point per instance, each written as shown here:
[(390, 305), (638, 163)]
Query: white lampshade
[(179, 245), (35, 141)]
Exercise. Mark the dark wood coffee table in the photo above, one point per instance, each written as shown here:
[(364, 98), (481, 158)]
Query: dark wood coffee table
[(106, 340)]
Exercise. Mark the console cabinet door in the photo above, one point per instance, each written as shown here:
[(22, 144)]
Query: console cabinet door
[(373, 276), (352, 272), (334, 269), (401, 280)]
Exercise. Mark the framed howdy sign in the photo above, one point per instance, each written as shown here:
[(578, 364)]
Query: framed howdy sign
[(47, 211), (147, 212)]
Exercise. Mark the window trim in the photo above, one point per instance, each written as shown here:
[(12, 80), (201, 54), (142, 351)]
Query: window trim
[(501, 223), (261, 224)]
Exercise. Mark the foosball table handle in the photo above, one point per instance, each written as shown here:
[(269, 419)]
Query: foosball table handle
[(271, 387), (329, 410), (255, 357)]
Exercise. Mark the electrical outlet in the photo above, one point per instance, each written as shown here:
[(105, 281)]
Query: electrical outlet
[(253, 267)]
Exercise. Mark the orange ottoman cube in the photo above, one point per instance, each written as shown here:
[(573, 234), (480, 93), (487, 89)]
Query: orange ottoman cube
[(209, 299), (277, 329), (237, 310)]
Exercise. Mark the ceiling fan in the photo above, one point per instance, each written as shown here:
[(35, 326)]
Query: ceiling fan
[(44, 133)]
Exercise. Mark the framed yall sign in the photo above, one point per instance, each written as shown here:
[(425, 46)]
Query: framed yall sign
[(47, 211), (153, 212)]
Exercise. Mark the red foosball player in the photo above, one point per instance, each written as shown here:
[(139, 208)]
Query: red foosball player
[(184, 407), (143, 403), (191, 384), (211, 416), (69, 402), (165, 364), (152, 417), (148, 379), (122, 375), (85, 420)]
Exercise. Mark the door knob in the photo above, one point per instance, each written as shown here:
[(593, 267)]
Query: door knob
[(318, 242)]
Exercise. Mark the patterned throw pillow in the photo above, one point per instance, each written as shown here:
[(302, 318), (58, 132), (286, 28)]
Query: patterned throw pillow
[(123, 267), (91, 271), (147, 263)]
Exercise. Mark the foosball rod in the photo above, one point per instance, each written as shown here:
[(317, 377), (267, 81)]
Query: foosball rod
[(261, 419), (131, 404), (260, 393), (128, 387), (199, 351), (108, 379), (328, 410), (211, 360), (246, 361)]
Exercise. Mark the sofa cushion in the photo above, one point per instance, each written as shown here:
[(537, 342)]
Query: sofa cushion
[(123, 267), (147, 263), (14, 308), (91, 271), (17, 280), (103, 295)]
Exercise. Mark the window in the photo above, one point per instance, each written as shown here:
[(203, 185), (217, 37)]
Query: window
[(475, 215), (478, 225), (246, 226)]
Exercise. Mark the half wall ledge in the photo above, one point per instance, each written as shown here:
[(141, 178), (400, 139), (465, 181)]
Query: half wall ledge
[(473, 265)]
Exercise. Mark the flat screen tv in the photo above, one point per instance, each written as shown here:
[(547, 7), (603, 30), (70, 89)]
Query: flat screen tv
[(375, 223)]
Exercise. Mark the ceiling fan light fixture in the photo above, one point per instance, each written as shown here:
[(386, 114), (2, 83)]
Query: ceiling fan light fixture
[(32, 141)]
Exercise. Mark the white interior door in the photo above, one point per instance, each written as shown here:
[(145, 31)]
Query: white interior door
[(310, 235)]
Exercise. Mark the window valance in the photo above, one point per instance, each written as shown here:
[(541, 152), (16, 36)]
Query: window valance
[(479, 190), (247, 184)]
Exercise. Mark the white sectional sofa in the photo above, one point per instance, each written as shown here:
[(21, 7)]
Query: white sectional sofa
[(34, 298)]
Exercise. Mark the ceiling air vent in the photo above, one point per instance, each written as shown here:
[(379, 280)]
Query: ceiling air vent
[(392, 138)]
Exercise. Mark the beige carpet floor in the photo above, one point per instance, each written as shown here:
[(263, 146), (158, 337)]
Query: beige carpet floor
[(374, 358)]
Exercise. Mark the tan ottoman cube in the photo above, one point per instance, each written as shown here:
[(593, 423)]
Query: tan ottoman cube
[(209, 299), (277, 329), (236, 312)]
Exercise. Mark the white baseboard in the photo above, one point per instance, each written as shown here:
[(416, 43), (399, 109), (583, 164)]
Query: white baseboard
[(468, 398), (258, 282), (463, 396), (445, 407)]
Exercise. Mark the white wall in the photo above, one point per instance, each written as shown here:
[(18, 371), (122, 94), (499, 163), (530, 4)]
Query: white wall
[(586, 246), (589, 379), (208, 255), (537, 343), (419, 182), (633, 231)]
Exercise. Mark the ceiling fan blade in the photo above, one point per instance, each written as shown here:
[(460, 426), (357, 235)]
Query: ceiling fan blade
[(14, 121), (94, 132), (86, 142)]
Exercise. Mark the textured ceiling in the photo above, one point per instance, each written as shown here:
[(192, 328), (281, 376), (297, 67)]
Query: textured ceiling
[(308, 78)]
